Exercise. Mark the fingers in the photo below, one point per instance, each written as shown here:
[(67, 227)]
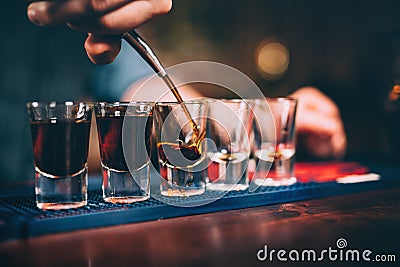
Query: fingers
[(339, 142), (323, 136), (311, 121), (323, 146), (311, 98), (316, 112), (319, 125), (98, 16), (121, 20), (102, 49), (56, 12)]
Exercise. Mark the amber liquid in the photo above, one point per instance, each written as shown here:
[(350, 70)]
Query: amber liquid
[(197, 137), (165, 150)]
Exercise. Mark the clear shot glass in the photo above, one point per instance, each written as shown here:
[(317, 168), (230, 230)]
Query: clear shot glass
[(60, 138), (274, 145), (124, 131), (228, 128), (181, 152)]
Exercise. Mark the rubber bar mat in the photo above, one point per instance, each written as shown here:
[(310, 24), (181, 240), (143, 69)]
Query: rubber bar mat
[(19, 217)]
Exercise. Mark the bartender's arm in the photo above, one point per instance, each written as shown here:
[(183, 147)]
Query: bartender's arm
[(103, 20)]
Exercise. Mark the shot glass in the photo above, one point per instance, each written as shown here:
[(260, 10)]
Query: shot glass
[(274, 145), (228, 127), (181, 151), (60, 137), (124, 131)]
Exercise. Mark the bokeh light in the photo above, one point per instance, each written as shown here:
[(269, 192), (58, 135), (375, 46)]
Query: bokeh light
[(272, 58)]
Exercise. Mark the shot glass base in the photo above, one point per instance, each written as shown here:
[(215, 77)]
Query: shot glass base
[(274, 181), (126, 187), (56, 193), (180, 183), (125, 200), (60, 206), (227, 187), (182, 193)]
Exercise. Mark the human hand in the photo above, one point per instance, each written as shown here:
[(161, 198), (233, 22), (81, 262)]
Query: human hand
[(319, 126), (103, 20)]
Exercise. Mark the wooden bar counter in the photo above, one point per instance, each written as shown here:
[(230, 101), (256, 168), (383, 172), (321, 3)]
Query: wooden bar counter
[(367, 220)]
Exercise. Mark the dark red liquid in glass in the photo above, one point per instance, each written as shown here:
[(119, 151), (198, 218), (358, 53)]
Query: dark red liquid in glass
[(60, 148), (110, 140)]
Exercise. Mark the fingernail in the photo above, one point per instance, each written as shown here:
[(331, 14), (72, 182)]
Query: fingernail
[(33, 17)]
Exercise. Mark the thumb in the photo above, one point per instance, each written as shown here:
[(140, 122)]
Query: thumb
[(102, 49)]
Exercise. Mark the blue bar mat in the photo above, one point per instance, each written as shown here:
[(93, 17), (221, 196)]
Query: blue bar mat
[(19, 217)]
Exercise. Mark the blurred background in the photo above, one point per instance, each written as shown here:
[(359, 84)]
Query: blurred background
[(350, 50)]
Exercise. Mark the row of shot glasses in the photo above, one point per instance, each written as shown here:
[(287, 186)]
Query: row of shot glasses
[(236, 143)]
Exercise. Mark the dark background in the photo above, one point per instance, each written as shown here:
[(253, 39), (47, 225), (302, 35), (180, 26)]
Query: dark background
[(348, 49)]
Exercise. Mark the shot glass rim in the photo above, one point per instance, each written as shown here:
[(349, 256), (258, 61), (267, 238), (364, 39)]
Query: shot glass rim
[(270, 97), (273, 99), (36, 104), (191, 102), (123, 103), (247, 101), (231, 100)]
